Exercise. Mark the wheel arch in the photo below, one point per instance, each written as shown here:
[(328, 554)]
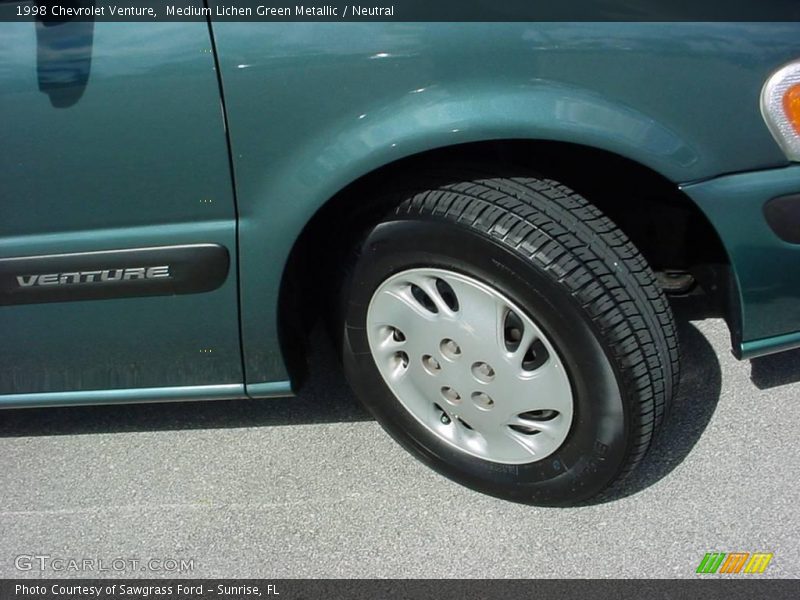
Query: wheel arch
[(286, 178), (664, 223)]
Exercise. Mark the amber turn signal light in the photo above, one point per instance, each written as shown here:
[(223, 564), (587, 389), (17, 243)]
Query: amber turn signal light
[(780, 107), (791, 106)]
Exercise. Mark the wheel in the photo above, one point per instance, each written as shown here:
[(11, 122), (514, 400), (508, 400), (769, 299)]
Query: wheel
[(510, 336)]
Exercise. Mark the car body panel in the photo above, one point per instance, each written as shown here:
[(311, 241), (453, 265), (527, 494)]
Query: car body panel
[(134, 395), (116, 138), (767, 269), (119, 145), (314, 106)]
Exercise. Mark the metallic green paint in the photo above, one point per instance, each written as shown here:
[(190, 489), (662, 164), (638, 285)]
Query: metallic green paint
[(314, 106), (766, 268), (779, 343), (275, 389), (124, 396), (132, 152), (131, 155)]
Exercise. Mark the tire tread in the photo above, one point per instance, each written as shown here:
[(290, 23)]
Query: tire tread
[(579, 247)]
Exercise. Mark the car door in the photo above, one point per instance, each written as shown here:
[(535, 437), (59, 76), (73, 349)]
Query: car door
[(117, 215)]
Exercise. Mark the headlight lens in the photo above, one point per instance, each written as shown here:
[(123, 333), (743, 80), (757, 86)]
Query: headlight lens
[(780, 106)]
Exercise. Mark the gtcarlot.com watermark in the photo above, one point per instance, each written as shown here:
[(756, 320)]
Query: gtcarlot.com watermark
[(118, 564)]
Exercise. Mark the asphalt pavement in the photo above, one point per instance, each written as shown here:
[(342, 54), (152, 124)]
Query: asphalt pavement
[(312, 487)]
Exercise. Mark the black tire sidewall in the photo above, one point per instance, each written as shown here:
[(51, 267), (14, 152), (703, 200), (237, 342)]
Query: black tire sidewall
[(597, 443)]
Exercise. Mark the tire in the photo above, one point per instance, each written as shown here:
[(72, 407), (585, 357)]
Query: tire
[(553, 271)]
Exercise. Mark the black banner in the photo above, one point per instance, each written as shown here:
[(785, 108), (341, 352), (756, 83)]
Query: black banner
[(401, 10), (393, 589)]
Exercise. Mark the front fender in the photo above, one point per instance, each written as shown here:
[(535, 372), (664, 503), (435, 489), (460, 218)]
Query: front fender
[(440, 115), (312, 107), (423, 119)]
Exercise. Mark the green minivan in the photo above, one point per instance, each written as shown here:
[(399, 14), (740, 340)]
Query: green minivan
[(487, 218)]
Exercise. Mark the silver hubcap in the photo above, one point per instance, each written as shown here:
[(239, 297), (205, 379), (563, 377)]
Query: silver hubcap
[(470, 365)]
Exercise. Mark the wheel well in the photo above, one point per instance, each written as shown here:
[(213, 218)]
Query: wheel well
[(666, 226)]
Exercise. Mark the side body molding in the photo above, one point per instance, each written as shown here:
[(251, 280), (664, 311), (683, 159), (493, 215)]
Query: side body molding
[(131, 272)]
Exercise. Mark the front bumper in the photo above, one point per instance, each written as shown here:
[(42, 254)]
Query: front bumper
[(766, 268)]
